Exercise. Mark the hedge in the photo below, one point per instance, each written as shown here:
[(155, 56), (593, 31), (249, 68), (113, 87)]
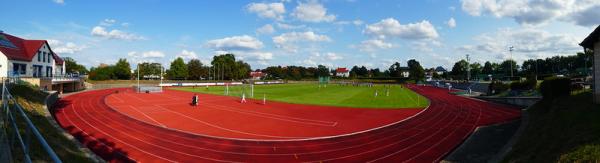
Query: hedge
[(555, 87)]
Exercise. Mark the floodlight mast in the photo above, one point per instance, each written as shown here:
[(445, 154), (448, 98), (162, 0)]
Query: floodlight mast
[(511, 48), (468, 68)]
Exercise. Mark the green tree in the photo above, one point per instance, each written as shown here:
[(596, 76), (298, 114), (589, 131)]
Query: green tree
[(415, 70), (322, 71), (487, 68), (71, 66), (506, 65), (101, 73), (195, 69), (395, 70), (475, 70), (122, 70), (178, 69), (459, 70), (148, 70)]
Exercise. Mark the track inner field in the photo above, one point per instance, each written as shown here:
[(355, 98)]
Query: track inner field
[(426, 137)]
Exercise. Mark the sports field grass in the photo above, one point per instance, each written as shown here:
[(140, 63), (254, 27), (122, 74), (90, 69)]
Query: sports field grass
[(332, 95)]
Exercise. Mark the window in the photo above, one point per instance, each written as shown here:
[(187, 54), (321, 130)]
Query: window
[(19, 69), (48, 71), (39, 56), (49, 57), (44, 57)]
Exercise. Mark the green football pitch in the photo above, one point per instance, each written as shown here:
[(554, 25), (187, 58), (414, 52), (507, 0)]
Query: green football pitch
[(388, 97)]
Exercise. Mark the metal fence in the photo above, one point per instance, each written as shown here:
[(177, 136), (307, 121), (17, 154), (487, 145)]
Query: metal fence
[(18, 134)]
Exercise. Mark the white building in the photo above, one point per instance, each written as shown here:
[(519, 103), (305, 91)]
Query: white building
[(404, 72), (35, 62), (592, 42), (342, 72)]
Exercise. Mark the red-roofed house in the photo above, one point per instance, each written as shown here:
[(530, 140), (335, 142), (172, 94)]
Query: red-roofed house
[(256, 75), (34, 61), (342, 72)]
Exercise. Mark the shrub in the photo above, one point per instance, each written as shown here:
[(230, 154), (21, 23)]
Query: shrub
[(528, 84), (554, 87), (497, 87)]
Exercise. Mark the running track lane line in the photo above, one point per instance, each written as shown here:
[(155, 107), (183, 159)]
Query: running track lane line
[(149, 143), (270, 140)]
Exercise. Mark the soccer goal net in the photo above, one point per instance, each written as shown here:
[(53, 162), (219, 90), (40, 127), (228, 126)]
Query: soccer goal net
[(152, 74)]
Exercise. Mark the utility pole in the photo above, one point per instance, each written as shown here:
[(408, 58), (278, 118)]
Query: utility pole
[(511, 48), (468, 68)]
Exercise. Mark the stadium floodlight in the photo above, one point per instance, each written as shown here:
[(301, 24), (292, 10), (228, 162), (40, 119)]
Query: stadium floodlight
[(468, 68), (511, 48)]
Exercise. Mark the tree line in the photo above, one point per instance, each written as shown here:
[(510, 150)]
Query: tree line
[(573, 65), (223, 67)]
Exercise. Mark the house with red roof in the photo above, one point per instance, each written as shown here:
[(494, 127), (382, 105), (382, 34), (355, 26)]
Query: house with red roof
[(342, 72), (34, 61), (257, 75)]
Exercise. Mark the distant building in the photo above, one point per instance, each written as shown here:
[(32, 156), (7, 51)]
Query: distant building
[(404, 72), (34, 61), (592, 42), (440, 70), (342, 72), (257, 75)]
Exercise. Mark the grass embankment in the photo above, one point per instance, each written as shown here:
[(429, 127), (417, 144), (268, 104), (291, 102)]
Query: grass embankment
[(332, 95), (32, 102), (562, 130)]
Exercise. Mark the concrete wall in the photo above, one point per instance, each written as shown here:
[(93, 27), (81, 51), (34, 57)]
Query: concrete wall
[(518, 101), (597, 72)]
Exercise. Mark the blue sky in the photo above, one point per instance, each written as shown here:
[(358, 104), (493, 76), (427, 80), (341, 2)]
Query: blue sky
[(336, 33)]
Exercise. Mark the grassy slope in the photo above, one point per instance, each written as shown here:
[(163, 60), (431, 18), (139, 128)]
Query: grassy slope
[(565, 130), (332, 95), (32, 102)]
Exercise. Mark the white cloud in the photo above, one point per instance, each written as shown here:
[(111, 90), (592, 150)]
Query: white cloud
[(333, 56), (266, 29), (267, 10), (146, 54), (357, 22), (312, 11), (114, 34), (108, 22), (390, 27), (289, 26), (317, 58), (59, 1), (242, 43), (451, 23), (373, 45), (287, 41), (587, 17), (65, 47), (527, 42), (187, 55), (533, 12)]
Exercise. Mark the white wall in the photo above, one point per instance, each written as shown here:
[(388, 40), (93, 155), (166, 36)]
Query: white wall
[(3, 65), (34, 61)]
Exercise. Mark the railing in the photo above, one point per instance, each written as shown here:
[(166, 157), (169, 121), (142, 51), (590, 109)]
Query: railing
[(16, 125)]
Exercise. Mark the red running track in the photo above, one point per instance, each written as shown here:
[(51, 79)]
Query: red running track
[(226, 117), (426, 137)]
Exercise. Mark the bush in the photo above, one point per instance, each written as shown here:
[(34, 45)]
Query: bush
[(528, 84), (497, 87), (554, 87)]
